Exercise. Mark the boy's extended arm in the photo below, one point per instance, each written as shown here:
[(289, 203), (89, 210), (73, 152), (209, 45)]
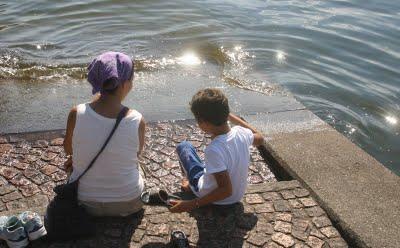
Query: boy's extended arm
[(258, 137), (223, 191)]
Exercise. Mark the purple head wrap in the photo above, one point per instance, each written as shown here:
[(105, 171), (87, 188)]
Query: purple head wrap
[(109, 65)]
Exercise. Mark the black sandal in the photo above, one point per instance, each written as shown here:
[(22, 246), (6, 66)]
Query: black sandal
[(160, 197), (179, 240)]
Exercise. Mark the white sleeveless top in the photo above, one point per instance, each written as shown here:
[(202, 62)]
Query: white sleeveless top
[(114, 177)]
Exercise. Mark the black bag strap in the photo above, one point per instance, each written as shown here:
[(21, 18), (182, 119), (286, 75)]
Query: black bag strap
[(121, 115)]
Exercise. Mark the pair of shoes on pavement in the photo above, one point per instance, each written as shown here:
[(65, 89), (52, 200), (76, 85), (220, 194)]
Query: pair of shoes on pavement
[(160, 197), (17, 231)]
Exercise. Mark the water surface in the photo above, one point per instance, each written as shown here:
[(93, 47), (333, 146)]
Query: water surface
[(339, 58)]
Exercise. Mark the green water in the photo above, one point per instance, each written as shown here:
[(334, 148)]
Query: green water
[(339, 58)]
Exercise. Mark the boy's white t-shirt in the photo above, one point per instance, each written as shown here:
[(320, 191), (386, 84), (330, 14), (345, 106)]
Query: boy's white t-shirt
[(229, 152)]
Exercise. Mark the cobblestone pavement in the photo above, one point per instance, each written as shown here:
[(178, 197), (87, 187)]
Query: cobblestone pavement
[(272, 214)]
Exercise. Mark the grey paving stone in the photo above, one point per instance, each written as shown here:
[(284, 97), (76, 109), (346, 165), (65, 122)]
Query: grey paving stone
[(272, 214), (283, 239)]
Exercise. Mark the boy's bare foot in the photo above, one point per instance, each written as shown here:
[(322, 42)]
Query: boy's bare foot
[(185, 186)]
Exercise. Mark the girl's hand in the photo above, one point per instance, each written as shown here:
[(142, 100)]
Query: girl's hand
[(181, 206)]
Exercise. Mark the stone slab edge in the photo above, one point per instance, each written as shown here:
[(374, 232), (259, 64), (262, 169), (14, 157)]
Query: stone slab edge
[(360, 195)]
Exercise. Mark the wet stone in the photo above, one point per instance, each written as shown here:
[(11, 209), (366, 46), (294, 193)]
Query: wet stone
[(8, 172), (321, 221), (14, 139), (30, 172), (7, 188), (177, 173), (157, 229), (299, 213), (20, 180), (265, 227), (295, 203), (271, 196), (301, 192), (283, 239), (308, 202), (17, 205), (257, 239), (330, 232), (315, 211), (58, 176), (264, 208), (283, 217), (55, 149), (40, 179), (47, 156), (282, 206), (38, 164), (159, 242), (11, 196), (40, 144), (138, 235), (287, 194), (49, 169), (299, 235), (272, 244), (337, 243), (21, 165), (47, 188), (58, 161), (57, 142), (160, 173), (153, 166), (22, 151), (283, 227), (3, 181), (254, 199), (300, 224), (315, 242), (31, 158), (159, 218), (5, 148), (29, 190), (314, 232), (3, 140), (254, 179)]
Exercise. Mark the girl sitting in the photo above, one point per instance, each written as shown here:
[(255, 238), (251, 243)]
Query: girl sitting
[(112, 186)]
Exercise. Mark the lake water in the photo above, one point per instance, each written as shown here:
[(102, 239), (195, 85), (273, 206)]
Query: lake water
[(339, 58)]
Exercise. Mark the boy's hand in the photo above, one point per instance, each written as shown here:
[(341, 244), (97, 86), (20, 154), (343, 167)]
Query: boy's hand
[(181, 206), (68, 163)]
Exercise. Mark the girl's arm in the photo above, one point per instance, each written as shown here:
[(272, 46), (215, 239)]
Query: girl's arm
[(142, 132), (68, 137)]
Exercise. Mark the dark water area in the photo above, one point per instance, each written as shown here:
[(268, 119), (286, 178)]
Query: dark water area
[(339, 58)]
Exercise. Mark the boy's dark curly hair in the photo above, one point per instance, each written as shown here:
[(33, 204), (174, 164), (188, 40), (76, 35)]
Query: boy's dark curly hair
[(210, 105)]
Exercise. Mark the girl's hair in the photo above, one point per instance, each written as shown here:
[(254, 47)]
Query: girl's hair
[(110, 85)]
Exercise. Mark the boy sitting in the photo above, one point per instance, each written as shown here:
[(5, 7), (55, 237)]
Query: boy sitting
[(222, 178)]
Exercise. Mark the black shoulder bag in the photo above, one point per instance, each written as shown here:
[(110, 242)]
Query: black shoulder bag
[(65, 219)]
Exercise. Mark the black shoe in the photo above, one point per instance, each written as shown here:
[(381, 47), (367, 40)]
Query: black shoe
[(179, 240), (160, 197)]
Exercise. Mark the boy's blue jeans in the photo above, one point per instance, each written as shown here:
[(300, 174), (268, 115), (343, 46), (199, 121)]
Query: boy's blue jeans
[(190, 163)]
